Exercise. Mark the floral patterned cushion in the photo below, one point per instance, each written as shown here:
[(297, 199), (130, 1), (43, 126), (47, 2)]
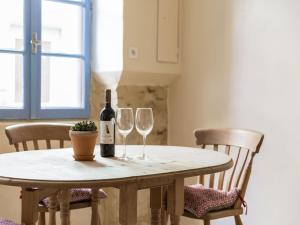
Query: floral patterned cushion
[(200, 200), (6, 222), (79, 195)]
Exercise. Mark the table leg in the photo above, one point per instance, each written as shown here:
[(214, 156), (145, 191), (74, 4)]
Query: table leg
[(64, 198), (52, 209), (175, 204), (30, 200), (95, 206), (128, 204), (156, 205)]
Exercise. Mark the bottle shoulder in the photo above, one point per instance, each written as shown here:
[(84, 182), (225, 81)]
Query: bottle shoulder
[(107, 114)]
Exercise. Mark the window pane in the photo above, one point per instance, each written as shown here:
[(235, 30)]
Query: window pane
[(62, 34), (11, 81), (11, 24), (62, 80)]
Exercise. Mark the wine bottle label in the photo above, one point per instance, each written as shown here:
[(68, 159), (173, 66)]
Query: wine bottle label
[(107, 132)]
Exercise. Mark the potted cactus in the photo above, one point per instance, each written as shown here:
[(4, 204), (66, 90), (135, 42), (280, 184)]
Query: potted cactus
[(83, 137)]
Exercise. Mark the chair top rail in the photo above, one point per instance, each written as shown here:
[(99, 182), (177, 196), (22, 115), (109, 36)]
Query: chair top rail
[(21, 133)]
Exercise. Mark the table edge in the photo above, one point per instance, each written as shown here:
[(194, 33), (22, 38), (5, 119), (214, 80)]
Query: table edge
[(113, 182)]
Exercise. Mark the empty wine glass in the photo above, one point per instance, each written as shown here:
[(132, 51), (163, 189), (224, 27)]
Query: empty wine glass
[(144, 124), (125, 123)]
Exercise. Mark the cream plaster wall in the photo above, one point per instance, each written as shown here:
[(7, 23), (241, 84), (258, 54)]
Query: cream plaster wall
[(241, 69), (140, 31)]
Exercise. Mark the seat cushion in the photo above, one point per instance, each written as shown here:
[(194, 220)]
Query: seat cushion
[(6, 222), (200, 200), (79, 195)]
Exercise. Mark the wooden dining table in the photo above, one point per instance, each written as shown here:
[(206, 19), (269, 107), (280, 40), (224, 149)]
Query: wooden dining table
[(56, 170)]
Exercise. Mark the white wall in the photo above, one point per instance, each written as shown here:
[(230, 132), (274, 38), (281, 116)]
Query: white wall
[(140, 32), (140, 26), (241, 69)]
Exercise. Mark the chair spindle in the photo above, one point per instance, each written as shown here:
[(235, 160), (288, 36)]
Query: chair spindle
[(17, 147), (36, 145), (201, 177), (242, 169), (61, 143), (234, 169), (222, 174), (48, 143), (212, 176), (25, 146)]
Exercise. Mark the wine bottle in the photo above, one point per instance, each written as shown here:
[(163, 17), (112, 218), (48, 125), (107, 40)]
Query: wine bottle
[(107, 128)]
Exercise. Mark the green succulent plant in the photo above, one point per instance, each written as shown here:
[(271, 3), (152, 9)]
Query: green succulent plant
[(84, 126)]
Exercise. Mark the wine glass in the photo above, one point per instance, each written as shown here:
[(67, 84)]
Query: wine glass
[(125, 123), (144, 124)]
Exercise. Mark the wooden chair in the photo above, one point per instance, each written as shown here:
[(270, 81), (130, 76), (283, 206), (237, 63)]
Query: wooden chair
[(23, 134), (242, 146)]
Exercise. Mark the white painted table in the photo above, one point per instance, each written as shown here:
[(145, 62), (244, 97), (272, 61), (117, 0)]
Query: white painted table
[(54, 170)]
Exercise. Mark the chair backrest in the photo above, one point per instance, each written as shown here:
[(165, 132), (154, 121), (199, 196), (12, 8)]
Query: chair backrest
[(241, 145), (34, 132)]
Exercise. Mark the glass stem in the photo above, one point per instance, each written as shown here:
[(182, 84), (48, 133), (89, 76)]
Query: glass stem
[(144, 141), (124, 150)]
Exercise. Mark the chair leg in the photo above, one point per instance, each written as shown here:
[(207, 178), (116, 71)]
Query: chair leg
[(238, 220), (95, 205), (206, 222), (42, 218), (164, 213), (52, 209), (164, 216), (155, 216), (175, 220)]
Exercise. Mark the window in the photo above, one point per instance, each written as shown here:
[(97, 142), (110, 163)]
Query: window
[(44, 59)]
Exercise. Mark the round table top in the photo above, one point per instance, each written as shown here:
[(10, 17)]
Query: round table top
[(58, 168)]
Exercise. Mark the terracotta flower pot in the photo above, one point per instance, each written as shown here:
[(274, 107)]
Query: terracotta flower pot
[(83, 143)]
